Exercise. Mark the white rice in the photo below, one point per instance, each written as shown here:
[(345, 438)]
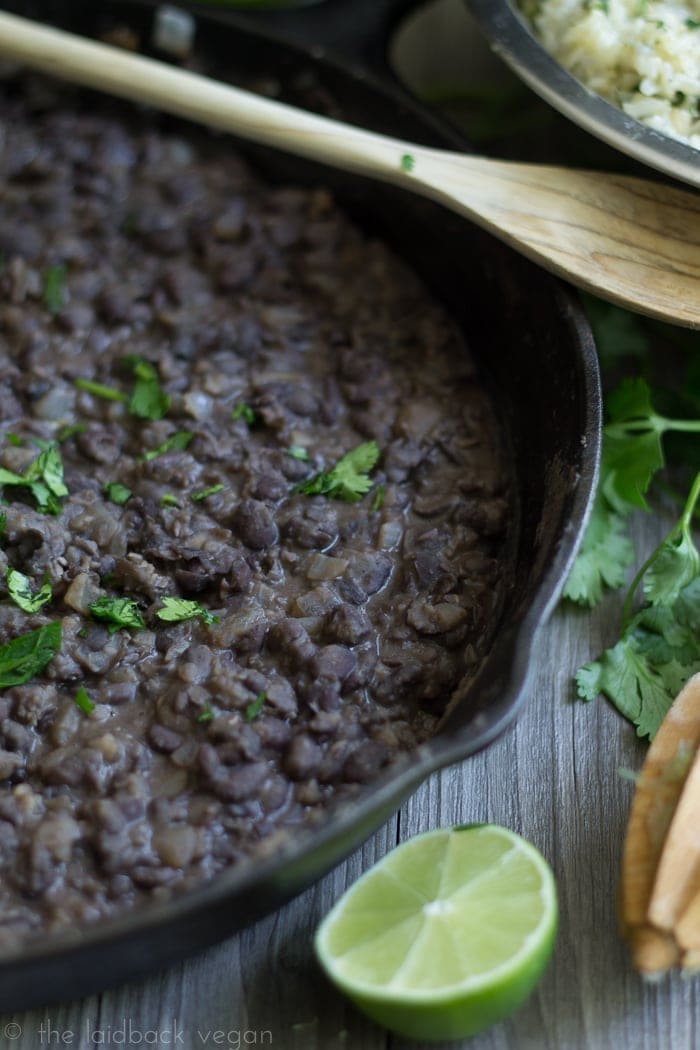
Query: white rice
[(642, 55)]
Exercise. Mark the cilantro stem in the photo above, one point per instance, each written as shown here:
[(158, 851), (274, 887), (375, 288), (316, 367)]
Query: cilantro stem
[(682, 526), (653, 423)]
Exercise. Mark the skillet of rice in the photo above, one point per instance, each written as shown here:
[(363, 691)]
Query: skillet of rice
[(641, 55)]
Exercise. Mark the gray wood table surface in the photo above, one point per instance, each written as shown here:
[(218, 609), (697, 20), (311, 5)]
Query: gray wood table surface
[(554, 777)]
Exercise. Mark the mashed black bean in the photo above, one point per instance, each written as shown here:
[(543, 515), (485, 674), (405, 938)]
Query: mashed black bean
[(284, 339)]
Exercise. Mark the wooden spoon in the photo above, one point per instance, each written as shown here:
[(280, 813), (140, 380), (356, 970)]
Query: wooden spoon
[(630, 240)]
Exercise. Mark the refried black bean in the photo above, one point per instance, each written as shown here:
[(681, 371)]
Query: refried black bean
[(330, 634)]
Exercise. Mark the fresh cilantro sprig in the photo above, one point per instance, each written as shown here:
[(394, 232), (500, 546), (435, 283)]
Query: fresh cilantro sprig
[(643, 672), (349, 479), (20, 591), (673, 565), (632, 456), (658, 647)]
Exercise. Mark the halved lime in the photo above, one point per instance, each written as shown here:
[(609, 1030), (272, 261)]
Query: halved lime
[(446, 935)]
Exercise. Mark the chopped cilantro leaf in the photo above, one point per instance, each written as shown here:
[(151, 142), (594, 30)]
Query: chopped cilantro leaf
[(675, 565), (632, 451), (54, 296), (117, 612), (407, 162), (244, 412), (117, 493), (108, 393), (71, 430), (3, 525), (44, 479), (298, 452), (20, 590), (13, 439), (179, 440), (148, 400), (349, 479), (197, 497), (379, 494), (602, 559), (83, 701), (632, 456), (175, 610), (28, 654), (643, 673), (253, 709), (205, 715), (168, 500)]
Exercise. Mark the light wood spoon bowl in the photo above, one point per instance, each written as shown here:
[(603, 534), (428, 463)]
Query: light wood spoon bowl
[(630, 240)]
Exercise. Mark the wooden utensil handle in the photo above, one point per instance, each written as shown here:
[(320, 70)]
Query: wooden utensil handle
[(209, 102)]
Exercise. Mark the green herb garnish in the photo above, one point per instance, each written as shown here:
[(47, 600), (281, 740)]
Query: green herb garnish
[(13, 439), (44, 479), (298, 452), (179, 440), (253, 709), (83, 701), (197, 497), (175, 610), (168, 500), (117, 612), (108, 393), (19, 589), (656, 654), (3, 525), (117, 493), (148, 400), (407, 162), (206, 715), (70, 430), (349, 479), (379, 494), (54, 297), (244, 412), (27, 655), (632, 456)]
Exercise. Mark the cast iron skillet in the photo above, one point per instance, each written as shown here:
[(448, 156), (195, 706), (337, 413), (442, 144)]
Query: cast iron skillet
[(536, 356)]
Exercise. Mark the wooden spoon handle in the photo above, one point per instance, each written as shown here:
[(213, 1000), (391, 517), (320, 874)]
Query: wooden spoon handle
[(200, 99), (629, 240)]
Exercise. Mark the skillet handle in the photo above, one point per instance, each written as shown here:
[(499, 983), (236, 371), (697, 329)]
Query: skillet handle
[(356, 33)]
